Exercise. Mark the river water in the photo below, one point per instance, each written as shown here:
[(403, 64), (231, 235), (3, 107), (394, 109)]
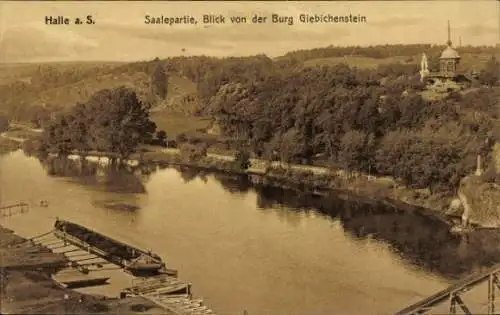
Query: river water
[(264, 250)]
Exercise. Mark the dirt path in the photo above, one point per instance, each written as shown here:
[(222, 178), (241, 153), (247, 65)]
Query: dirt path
[(6, 136)]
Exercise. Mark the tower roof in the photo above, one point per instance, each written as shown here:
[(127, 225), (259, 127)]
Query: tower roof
[(449, 53)]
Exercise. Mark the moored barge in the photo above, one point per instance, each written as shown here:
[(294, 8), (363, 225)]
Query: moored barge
[(133, 260)]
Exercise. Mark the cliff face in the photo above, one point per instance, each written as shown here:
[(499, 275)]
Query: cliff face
[(480, 201)]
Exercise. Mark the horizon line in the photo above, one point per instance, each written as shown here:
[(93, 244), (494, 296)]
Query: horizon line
[(251, 55)]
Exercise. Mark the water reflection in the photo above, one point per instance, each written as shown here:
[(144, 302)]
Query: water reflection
[(233, 183), (189, 174), (108, 178), (421, 240)]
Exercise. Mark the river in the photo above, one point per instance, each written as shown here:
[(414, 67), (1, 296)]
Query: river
[(264, 250)]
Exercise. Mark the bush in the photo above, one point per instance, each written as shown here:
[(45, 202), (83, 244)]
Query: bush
[(193, 152), (4, 123), (242, 160), (181, 138)]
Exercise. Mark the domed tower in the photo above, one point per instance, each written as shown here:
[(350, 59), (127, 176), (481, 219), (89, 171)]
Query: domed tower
[(449, 59)]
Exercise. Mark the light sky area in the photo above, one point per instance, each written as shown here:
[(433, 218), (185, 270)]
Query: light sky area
[(120, 33)]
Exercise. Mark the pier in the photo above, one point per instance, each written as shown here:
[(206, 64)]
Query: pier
[(10, 210), (86, 264), (169, 293)]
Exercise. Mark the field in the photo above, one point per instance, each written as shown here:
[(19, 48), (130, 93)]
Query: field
[(468, 61), (174, 124), (355, 61)]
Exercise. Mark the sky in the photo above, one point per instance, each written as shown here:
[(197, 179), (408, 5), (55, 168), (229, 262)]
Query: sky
[(120, 34)]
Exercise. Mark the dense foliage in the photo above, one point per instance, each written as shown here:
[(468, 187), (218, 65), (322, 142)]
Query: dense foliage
[(371, 120), (159, 82), (379, 51), (355, 120), (111, 121)]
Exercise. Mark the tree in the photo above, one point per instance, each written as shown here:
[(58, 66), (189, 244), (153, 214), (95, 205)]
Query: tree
[(113, 121), (58, 136), (191, 152), (242, 159), (4, 123), (120, 121), (161, 135), (353, 147), (491, 73), (159, 82)]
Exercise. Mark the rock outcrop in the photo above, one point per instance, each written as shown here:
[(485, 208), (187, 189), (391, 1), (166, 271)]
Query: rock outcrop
[(480, 202)]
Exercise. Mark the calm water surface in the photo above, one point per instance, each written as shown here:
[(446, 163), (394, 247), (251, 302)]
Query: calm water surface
[(264, 250)]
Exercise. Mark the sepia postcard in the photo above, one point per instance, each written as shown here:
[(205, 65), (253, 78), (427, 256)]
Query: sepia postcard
[(250, 157)]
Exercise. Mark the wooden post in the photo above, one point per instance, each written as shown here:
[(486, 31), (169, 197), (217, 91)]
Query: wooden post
[(491, 295), (64, 236), (453, 309)]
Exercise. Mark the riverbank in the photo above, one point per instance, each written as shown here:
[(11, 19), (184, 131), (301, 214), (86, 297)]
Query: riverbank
[(27, 286), (308, 179), (313, 179), (304, 178)]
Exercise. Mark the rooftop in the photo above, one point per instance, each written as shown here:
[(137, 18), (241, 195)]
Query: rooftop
[(449, 53)]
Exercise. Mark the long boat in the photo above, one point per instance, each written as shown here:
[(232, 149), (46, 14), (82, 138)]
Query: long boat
[(133, 260)]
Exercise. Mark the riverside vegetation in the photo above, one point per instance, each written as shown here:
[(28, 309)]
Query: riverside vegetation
[(376, 120)]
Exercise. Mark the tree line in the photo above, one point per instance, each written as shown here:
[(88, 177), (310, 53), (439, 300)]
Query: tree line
[(361, 119), (352, 119), (114, 121)]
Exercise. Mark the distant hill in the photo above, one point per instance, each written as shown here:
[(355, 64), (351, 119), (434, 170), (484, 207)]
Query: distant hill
[(12, 72), (22, 84), (182, 96), (475, 61), (59, 85), (359, 61)]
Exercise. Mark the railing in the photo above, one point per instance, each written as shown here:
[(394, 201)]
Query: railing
[(7, 211), (452, 294)]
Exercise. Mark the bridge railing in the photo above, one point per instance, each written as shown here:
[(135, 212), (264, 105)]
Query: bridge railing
[(453, 293)]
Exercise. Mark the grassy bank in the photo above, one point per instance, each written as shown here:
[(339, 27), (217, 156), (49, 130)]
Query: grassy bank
[(27, 286)]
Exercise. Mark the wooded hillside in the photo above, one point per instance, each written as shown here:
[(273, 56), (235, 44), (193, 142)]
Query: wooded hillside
[(309, 106)]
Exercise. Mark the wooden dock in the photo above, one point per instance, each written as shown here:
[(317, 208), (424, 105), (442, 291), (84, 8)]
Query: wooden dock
[(10, 210), (162, 290), (72, 278), (165, 290)]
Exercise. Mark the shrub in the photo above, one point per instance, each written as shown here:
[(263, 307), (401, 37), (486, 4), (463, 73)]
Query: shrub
[(193, 152), (4, 123), (242, 160)]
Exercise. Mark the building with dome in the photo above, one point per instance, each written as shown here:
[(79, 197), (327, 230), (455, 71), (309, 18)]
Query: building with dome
[(449, 75)]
